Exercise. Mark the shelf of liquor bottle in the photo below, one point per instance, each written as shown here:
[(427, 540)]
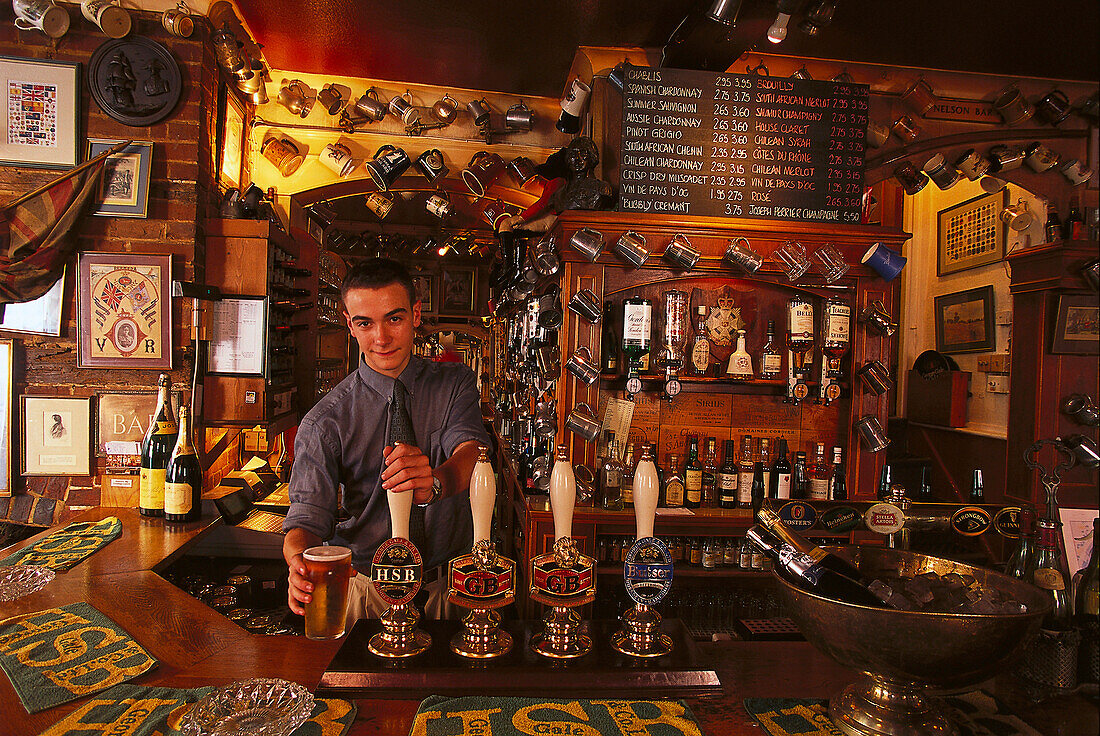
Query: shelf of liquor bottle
[(711, 384), (613, 569)]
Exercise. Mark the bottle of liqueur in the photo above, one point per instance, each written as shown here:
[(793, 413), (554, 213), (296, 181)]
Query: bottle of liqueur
[(1050, 576), (809, 573), (838, 486), (674, 483), (183, 477), (781, 474), (156, 447), (609, 347), (800, 480), (727, 477), (800, 344), (740, 367), (611, 478), (819, 475), (764, 456), (710, 475), (700, 344), (637, 337), (977, 487), (629, 470), (771, 359), (744, 474), (1022, 563), (693, 475)]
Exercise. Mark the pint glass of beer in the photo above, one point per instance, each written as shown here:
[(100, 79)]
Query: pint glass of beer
[(329, 569)]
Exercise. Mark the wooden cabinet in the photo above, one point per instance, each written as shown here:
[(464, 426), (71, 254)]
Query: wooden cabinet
[(1040, 377), (257, 265)]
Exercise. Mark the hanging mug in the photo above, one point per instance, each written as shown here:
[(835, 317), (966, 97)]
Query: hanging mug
[(380, 204), (1039, 158), (445, 109), (1054, 107), (332, 99), (337, 156), (522, 170), (479, 111), (402, 108), (369, 106), (430, 164), (519, 118), (282, 153), (583, 423), (587, 242), (41, 15), (1012, 106), (296, 97), (178, 21), (111, 18), (388, 164), (483, 170), (438, 205)]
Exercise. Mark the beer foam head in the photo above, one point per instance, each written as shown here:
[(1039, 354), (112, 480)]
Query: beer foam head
[(326, 553)]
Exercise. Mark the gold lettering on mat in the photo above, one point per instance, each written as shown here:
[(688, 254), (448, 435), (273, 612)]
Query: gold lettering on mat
[(524, 723), (28, 628), (670, 715), (127, 723), (77, 679)]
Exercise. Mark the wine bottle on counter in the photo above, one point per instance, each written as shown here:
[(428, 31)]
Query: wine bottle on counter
[(710, 475), (800, 480), (781, 474), (838, 486), (727, 477), (769, 519), (759, 489), (183, 477), (693, 475), (611, 477), (809, 573), (156, 447), (1050, 576), (744, 474), (819, 475)]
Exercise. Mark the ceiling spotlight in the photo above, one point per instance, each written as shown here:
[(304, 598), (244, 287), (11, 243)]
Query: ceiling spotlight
[(704, 40), (819, 15), (778, 30)]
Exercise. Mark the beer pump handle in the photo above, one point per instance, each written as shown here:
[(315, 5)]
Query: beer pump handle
[(646, 490), (400, 506), (483, 493), (563, 495)]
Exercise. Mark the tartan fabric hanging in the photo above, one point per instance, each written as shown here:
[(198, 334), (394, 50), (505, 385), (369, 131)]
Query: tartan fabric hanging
[(37, 237)]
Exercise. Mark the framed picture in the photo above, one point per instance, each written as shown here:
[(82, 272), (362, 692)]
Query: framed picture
[(7, 348), (457, 295), (1077, 326), (425, 291), (124, 317), (41, 316), (124, 187), (39, 113), (232, 140), (1077, 536), (964, 321), (238, 329), (972, 234), (56, 435), (122, 418)]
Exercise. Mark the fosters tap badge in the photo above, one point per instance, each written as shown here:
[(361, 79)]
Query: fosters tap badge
[(396, 571), (647, 571)]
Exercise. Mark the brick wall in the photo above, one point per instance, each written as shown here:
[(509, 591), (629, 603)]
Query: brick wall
[(181, 195)]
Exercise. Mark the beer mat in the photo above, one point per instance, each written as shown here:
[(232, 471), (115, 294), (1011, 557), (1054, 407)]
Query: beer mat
[(60, 654), (158, 711), (488, 715), (976, 713), (66, 547)]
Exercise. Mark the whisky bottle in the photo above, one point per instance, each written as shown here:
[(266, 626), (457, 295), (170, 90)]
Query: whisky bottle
[(693, 475), (819, 475), (800, 333), (740, 367), (156, 447), (771, 360), (744, 474), (727, 477), (674, 483), (700, 344), (710, 475), (611, 478)]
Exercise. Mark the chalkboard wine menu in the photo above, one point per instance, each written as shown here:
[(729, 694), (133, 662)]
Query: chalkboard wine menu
[(732, 145)]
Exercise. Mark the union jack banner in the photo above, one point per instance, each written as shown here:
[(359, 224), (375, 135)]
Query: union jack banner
[(112, 295)]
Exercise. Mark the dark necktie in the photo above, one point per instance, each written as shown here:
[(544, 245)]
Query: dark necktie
[(401, 430)]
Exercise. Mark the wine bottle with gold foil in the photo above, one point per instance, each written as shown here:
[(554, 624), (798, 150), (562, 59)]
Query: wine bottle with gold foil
[(156, 447), (183, 477)]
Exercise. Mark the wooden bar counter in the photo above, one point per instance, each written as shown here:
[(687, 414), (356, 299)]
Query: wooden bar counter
[(197, 646)]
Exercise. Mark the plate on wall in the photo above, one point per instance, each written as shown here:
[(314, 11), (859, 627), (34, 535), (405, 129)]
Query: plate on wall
[(135, 80)]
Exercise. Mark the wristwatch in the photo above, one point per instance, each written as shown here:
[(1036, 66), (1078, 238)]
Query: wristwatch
[(437, 491)]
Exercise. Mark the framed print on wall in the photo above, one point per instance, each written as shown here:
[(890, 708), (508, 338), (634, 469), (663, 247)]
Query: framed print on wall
[(1077, 326), (41, 316), (425, 292), (964, 321), (124, 316), (231, 128), (56, 435), (39, 113), (457, 294), (972, 234), (124, 186), (7, 348)]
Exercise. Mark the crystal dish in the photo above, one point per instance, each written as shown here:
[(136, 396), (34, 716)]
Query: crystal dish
[(20, 580), (257, 707)]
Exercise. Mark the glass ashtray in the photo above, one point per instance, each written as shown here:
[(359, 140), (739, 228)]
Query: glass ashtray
[(257, 707), (17, 581)]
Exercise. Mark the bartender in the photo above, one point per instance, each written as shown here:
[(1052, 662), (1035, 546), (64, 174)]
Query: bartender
[(346, 442)]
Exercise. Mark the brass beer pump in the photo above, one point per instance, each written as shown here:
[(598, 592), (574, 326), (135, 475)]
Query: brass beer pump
[(483, 580), (647, 573), (563, 579), (396, 574)]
